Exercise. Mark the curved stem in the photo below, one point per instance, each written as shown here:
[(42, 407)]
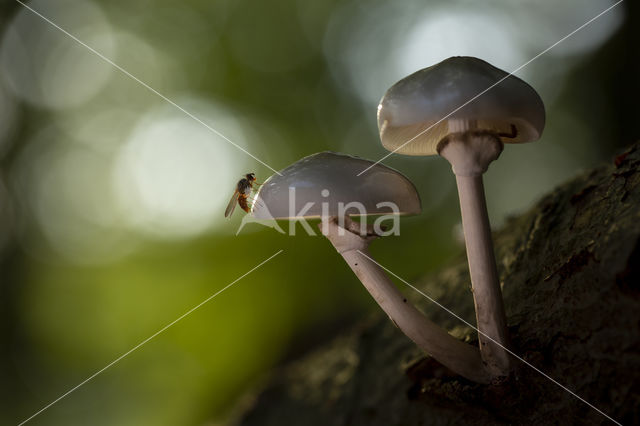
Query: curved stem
[(459, 357), (470, 155)]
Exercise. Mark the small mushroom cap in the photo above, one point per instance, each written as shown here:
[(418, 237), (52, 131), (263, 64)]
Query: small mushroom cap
[(326, 180), (511, 109)]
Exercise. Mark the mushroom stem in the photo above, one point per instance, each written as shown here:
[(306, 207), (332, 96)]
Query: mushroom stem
[(459, 357), (470, 153)]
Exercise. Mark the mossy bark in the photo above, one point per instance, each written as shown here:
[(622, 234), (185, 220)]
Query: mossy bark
[(570, 272)]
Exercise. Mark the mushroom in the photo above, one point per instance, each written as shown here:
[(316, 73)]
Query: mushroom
[(465, 109), (325, 186)]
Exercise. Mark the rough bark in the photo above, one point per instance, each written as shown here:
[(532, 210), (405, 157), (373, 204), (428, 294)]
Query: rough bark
[(570, 271)]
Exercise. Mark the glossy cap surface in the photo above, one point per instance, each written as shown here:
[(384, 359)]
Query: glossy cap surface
[(323, 185), (413, 107)]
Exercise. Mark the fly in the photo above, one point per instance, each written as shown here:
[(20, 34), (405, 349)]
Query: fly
[(241, 194)]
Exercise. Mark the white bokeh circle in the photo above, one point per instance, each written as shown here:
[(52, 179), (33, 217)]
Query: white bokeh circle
[(173, 176), (46, 67)]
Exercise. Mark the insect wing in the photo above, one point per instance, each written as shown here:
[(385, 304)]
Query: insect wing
[(232, 204)]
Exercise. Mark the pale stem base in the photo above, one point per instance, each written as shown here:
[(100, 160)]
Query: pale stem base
[(470, 155), (458, 356)]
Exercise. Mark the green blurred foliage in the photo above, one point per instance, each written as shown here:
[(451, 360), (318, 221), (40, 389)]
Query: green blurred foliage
[(94, 257)]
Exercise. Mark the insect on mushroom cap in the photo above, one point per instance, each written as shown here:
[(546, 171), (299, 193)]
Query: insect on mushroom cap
[(326, 179)]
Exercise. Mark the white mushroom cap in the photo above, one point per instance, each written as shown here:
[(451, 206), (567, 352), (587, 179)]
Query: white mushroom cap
[(328, 179), (420, 100)]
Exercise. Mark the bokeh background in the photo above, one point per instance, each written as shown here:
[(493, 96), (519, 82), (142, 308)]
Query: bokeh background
[(112, 200)]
